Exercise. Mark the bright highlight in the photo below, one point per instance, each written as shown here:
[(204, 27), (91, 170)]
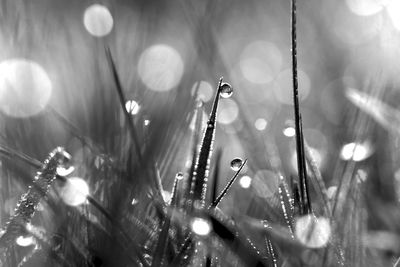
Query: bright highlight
[(25, 87), (98, 20), (200, 226), (74, 192), (160, 68)]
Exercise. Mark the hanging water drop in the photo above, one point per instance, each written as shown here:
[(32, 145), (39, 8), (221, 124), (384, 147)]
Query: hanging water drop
[(179, 176), (236, 163), (226, 90)]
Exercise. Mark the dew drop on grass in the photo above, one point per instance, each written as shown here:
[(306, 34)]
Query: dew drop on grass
[(179, 176), (236, 163), (226, 90), (25, 241)]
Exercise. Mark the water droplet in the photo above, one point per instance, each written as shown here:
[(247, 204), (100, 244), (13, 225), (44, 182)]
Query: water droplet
[(179, 176), (62, 171), (236, 163), (25, 241), (226, 90)]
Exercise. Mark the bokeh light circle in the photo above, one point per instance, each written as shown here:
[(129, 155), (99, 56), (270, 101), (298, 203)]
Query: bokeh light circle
[(245, 181), (261, 124), (74, 192), (289, 131), (25, 87), (228, 111), (205, 91), (312, 232), (393, 10), (283, 87), (98, 20), (365, 7), (200, 226), (160, 67), (260, 62), (356, 151)]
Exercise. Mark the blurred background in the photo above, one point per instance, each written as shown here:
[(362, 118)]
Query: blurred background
[(56, 88)]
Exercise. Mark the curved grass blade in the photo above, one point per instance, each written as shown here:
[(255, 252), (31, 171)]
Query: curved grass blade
[(320, 184)]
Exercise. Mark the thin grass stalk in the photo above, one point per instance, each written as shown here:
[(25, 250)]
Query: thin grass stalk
[(174, 193), (301, 167), (307, 200), (122, 100), (318, 177), (271, 252), (152, 171), (188, 198), (161, 246), (227, 187), (243, 247), (216, 175), (182, 254)]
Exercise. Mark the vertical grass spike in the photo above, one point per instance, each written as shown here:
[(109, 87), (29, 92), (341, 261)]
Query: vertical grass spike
[(301, 163), (199, 184)]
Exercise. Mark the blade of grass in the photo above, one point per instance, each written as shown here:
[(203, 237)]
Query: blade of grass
[(188, 198), (215, 179), (29, 201), (301, 166), (227, 187), (199, 184), (152, 171)]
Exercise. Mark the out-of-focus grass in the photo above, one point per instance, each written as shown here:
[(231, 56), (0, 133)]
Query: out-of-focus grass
[(125, 222)]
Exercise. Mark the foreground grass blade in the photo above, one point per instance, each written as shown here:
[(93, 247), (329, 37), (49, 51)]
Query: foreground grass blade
[(29, 201), (236, 242), (301, 166), (199, 184)]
